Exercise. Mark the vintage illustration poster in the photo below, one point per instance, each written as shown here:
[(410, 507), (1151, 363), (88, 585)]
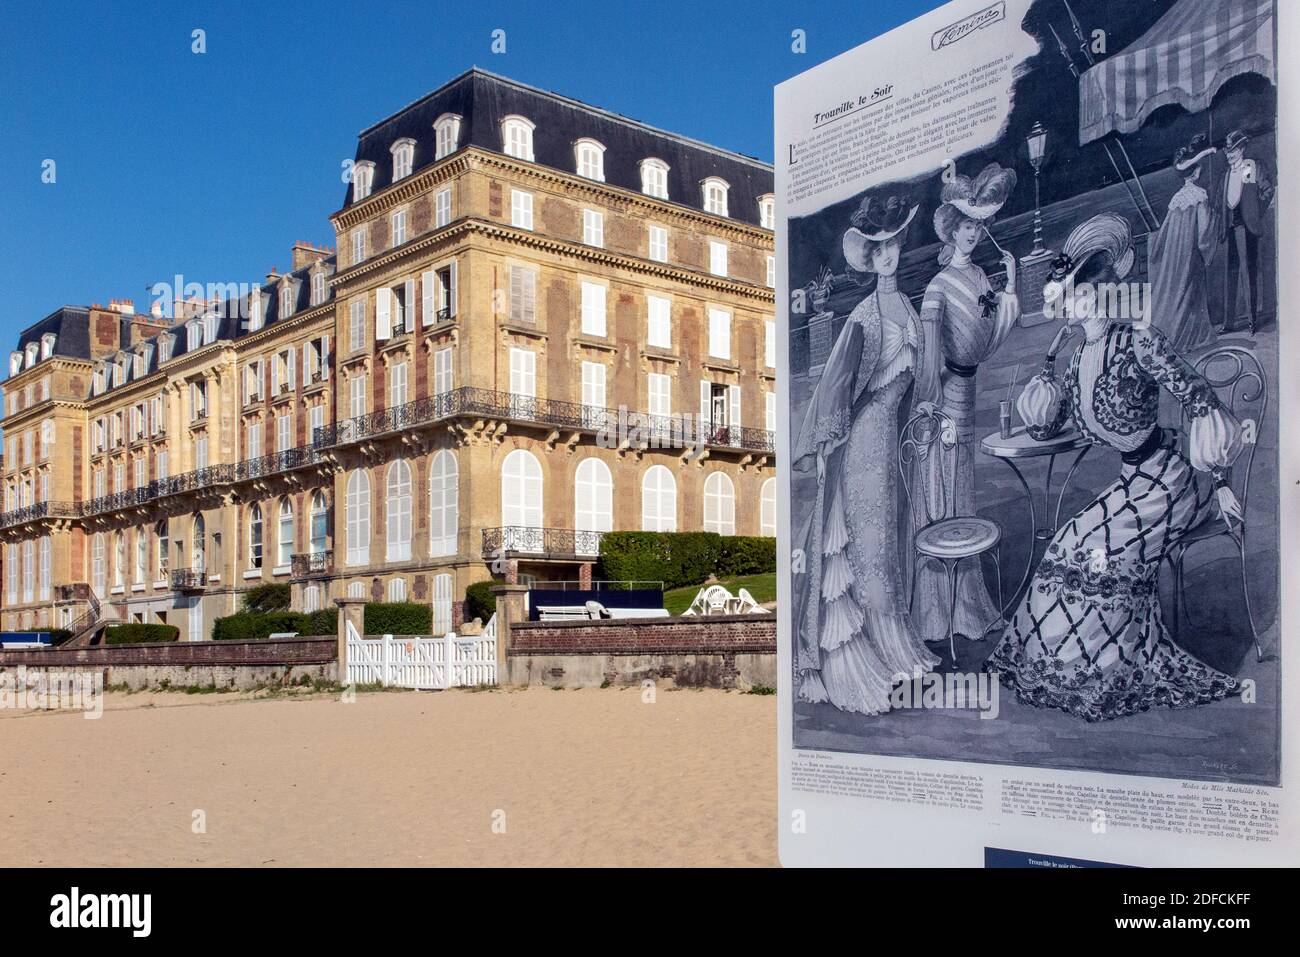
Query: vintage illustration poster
[(1035, 477)]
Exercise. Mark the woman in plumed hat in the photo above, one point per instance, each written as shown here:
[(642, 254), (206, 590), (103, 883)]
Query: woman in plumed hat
[(1181, 251), (971, 322), (855, 636), (1089, 637)]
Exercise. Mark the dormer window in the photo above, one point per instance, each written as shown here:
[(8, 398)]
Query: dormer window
[(209, 329), (317, 288), (446, 131), (715, 195), (286, 299), (589, 157), (193, 336), (165, 346), (15, 363), (140, 365), (363, 179), (33, 353), (654, 178), (47, 344), (119, 371), (255, 316), (767, 211), (517, 137), (98, 385), (403, 158)]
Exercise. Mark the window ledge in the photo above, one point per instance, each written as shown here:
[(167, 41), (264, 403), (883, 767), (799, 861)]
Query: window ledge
[(524, 329), (594, 342), (161, 583), (138, 586), (117, 590), (251, 573), (281, 569), (720, 365), (660, 353), (214, 579)]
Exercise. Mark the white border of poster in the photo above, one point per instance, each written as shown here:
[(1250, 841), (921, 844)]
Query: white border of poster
[(841, 826)]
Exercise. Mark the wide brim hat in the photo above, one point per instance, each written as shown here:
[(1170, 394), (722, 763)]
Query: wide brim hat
[(1235, 139), (982, 197), (1193, 154), (857, 242)]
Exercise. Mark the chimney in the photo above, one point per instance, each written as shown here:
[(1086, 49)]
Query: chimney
[(125, 306), (304, 254), (272, 276), (156, 310)]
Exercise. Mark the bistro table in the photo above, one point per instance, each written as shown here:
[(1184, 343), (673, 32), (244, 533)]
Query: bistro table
[(1019, 447)]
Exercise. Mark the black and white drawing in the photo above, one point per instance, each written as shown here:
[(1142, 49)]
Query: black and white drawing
[(1032, 416)]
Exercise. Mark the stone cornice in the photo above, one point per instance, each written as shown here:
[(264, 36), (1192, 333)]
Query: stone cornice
[(401, 192)]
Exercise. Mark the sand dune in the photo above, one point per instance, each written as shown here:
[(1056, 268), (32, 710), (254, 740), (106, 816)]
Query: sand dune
[(586, 777)]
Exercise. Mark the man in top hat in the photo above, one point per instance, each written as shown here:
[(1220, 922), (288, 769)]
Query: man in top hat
[(1247, 193), (1181, 251)]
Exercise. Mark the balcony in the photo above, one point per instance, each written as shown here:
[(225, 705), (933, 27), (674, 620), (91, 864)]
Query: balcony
[(635, 428), (173, 485), (275, 463), (312, 564), (189, 579), (30, 513), (522, 541)]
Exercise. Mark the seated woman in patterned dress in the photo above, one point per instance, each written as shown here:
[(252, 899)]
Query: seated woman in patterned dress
[(1088, 637)]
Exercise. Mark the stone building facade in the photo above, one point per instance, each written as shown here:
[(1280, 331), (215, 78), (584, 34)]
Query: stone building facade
[(543, 321)]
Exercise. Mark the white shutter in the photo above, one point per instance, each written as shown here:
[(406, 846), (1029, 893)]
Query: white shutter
[(408, 310), (276, 363), (733, 394), (451, 292), (706, 400), (291, 364), (442, 381), (325, 357), (383, 320), (428, 282)]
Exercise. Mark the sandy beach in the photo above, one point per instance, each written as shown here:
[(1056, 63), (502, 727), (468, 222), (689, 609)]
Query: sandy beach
[(582, 777)]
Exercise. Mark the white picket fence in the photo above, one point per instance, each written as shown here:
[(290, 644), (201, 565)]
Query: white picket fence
[(452, 661)]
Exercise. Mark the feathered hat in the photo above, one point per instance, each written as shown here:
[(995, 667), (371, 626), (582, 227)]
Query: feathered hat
[(875, 221), (1194, 153), (979, 199)]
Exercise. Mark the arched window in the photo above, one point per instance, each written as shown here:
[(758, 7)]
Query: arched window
[(357, 508), (521, 491), (284, 534), (311, 598), (654, 178), (164, 545), (363, 178), (141, 555), (593, 504), (397, 589), (517, 137), (444, 504), (255, 536), (97, 572), (319, 523), (589, 159), (767, 509), (403, 158), (719, 504), (119, 560), (446, 130), (715, 195), (357, 590), (441, 603), (767, 211), (397, 501), (658, 500)]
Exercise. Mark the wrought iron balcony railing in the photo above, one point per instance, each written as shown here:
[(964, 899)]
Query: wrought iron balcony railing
[(30, 513), (679, 431), (312, 563), (188, 579), (275, 462), (542, 542)]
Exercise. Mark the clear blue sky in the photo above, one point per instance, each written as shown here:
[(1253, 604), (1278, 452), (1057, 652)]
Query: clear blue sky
[(212, 165)]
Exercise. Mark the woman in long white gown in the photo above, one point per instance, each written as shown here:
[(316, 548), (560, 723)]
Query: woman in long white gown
[(855, 635)]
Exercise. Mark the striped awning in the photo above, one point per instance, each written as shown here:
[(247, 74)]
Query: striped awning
[(1185, 58)]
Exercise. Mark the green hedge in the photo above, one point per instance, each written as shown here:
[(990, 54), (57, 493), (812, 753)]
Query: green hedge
[(134, 634), (746, 555), (397, 618), (679, 559), (273, 596), (480, 602), (249, 625)]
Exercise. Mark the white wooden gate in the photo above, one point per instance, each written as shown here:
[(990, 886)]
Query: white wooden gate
[(452, 661)]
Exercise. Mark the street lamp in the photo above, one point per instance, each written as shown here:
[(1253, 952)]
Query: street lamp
[(1037, 143)]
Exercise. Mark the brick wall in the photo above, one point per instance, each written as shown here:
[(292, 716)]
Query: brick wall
[(720, 634), (287, 651)]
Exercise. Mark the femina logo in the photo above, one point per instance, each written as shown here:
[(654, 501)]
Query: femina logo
[(102, 910), (968, 25)]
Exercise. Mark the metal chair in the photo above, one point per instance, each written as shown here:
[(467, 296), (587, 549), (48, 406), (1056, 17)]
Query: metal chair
[(1238, 377), (942, 536)]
